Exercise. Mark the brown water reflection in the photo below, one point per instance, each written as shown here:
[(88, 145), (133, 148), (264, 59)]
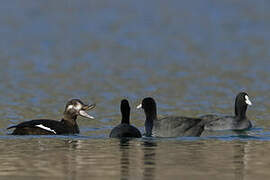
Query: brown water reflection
[(134, 159)]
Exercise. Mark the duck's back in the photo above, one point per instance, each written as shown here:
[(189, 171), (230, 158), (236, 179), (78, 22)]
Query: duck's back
[(43, 127), (174, 126), (125, 130)]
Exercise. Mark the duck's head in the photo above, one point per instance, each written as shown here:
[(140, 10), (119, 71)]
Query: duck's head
[(75, 107)]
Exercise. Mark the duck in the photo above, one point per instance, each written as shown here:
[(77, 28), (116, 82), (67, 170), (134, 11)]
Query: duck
[(170, 126), (67, 125), (124, 129), (228, 122)]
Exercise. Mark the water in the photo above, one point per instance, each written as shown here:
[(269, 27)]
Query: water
[(192, 57)]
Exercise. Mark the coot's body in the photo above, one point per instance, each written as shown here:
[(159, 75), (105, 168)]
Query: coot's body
[(125, 130), (171, 126), (237, 122)]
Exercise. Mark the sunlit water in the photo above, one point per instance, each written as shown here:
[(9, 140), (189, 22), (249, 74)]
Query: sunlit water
[(192, 57)]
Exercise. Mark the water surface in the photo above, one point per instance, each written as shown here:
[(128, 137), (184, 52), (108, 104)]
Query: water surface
[(192, 57)]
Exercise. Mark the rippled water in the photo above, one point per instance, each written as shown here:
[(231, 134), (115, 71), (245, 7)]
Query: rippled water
[(192, 57)]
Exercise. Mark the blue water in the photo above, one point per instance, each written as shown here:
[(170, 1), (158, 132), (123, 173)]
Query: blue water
[(192, 57)]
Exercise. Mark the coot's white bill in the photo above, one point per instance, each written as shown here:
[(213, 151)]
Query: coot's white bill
[(248, 102), (139, 106)]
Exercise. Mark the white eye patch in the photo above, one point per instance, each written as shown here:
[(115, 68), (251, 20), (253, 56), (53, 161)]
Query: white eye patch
[(76, 107), (70, 107), (247, 101)]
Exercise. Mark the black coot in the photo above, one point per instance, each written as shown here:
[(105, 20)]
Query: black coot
[(125, 129), (237, 122), (171, 126)]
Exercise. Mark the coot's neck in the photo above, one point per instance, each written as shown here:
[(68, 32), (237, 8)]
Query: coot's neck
[(149, 122), (240, 110), (125, 117)]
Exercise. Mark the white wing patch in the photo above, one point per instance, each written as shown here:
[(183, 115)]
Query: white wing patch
[(45, 128)]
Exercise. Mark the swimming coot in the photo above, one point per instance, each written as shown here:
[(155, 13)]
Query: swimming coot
[(125, 129), (68, 124), (237, 122), (171, 126)]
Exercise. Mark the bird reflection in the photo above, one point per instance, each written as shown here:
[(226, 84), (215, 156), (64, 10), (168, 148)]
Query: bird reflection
[(149, 160), (240, 159), (124, 160)]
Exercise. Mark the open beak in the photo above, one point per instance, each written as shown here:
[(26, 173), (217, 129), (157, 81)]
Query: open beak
[(85, 108), (88, 107), (139, 106)]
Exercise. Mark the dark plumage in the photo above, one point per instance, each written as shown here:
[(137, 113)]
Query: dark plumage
[(68, 124), (125, 129), (171, 126), (237, 122)]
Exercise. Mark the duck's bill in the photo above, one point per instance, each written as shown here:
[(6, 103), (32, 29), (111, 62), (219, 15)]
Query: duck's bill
[(88, 107), (139, 106), (85, 114)]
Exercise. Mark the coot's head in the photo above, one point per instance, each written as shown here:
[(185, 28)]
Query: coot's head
[(150, 109), (243, 98), (125, 110), (241, 102), (76, 107), (149, 106)]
